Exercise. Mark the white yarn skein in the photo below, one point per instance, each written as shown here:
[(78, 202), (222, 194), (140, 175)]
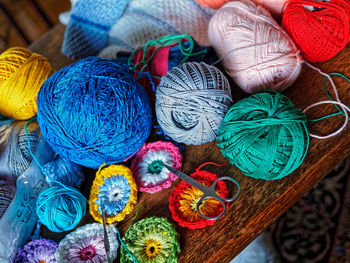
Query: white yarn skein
[(191, 102), (257, 53)]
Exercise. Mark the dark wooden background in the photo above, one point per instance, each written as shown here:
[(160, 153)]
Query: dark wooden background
[(260, 202)]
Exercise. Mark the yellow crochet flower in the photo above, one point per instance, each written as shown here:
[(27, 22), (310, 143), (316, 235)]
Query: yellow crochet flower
[(115, 187)]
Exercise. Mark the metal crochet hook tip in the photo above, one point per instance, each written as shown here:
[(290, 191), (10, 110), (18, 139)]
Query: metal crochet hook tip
[(105, 235)]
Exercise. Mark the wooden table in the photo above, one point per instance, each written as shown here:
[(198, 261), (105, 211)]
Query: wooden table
[(260, 202)]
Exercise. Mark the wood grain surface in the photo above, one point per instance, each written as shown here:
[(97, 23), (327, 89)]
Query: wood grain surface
[(260, 202)]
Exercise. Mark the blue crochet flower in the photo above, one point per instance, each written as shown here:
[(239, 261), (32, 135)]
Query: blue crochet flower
[(114, 194)]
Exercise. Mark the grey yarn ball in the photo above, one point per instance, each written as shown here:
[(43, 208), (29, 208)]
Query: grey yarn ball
[(191, 102)]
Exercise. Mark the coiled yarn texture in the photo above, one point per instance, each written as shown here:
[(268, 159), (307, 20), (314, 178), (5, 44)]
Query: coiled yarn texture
[(265, 136), (21, 75), (257, 53), (191, 102), (94, 112), (320, 28)]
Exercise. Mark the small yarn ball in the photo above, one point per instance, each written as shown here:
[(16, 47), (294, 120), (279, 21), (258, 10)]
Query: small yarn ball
[(265, 136), (320, 29), (94, 112), (257, 53), (60, 208), (7, 194), (21, 75), (191, 102)]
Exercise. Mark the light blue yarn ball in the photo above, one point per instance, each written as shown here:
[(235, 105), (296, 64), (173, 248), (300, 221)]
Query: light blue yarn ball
[(191, 102), (94, 112), (60, 208)]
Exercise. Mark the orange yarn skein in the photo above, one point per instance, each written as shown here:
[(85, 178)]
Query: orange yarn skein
[(21, 75)]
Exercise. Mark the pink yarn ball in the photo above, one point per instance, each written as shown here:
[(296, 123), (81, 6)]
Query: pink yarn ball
[(257, 53)]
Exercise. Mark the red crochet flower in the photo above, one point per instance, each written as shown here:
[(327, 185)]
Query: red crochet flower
[(183, 201)]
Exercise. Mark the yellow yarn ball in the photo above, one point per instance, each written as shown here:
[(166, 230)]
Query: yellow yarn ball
[(21, 75)]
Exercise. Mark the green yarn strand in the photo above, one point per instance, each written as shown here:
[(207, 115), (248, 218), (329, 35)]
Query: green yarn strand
[(265, 136), (165, 41)]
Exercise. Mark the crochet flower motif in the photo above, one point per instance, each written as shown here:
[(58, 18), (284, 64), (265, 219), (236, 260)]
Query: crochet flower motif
[(184, 198), (148, 166), (151, 240), (116, 189), (86, 245), (37, 251)]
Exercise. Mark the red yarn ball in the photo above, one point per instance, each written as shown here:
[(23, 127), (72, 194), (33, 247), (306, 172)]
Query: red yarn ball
[(320, 29)]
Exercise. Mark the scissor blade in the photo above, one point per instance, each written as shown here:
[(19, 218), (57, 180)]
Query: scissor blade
[(105, 236), (186, 178)]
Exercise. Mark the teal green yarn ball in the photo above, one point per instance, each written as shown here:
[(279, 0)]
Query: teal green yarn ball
[(265, 136)]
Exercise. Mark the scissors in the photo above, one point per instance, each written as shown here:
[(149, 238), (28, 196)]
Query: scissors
[(105, 236), (208, 192)]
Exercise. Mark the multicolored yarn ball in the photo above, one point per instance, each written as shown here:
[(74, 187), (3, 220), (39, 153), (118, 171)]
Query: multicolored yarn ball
[(257, 53), (116, 189), (21, 75), (37, 251), (148, 166), (265, 136), (60, 208), (184, 198), (150, 240), (94, 112), (320, 28), (191, 102), (86, 245), (7, 194)]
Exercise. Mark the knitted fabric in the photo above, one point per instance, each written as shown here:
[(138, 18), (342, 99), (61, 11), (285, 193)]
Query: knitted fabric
[(86, 244), (90, 22), (144, 20), (184, 198), (148, 169), (115, 187), (37, 251), (151, 240), (320, 28)]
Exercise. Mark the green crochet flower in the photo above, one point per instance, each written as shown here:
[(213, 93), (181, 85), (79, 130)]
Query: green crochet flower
[(151, 240)]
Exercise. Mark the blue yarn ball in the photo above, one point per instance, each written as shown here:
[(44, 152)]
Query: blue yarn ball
[(94, 112), (60, 208)]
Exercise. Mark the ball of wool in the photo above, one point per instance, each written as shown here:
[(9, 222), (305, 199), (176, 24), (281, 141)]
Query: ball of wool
[(86, 245), (7, 194), (21, 75), (60, 208), (256, 52), (39, 250), (265, 136), (320, 29), (191, 102), (94, 112)]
